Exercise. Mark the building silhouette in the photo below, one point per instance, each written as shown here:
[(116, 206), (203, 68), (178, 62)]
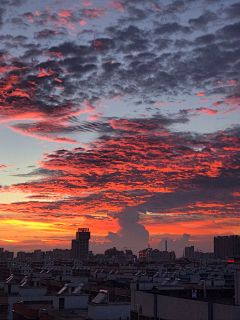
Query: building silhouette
[(189, 252), (80, 245), (226, 247)]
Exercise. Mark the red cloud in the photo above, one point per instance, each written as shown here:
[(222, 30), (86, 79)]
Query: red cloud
[(201, 94), (94, 13), (122, 171), (30, 18), (156, 7), (160, 104), (207, 111), (229, 83), (37, 14), (230, 101), (231, 110), (64, 13), (19, 93), (95, 116), (87, 3), (204, 100), (2, 166), (59, 88), (117, 97), (83, 23), (43, 136), (117, 5), (58, 54), (43, 73), (99, 45)]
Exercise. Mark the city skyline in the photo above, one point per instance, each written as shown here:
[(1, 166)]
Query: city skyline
[(121, 117)]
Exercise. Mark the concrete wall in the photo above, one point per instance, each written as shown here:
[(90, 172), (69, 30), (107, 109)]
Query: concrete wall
[(32, 291), (14, 287), (108, 311), (181, 309), (223, 312), (72, 302), (171, 308), (146, 300), (141, 285)]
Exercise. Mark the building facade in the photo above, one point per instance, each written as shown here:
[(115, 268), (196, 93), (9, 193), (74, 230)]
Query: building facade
[(226, 247), (80, 245), (189, 252)]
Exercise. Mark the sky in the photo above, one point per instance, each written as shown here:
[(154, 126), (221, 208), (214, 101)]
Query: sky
[(121, 117)]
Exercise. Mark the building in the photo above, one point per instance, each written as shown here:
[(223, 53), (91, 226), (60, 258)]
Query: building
[(226, 247), (6, 255), (80, 245), (151, 255), (189, 252)]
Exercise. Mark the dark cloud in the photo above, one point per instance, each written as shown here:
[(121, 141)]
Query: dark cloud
[(203, 20), (17, 3), (233, 11), (131, 232), (2, 12), (205, 40), (47, 33), (170, 28), (230, 31)]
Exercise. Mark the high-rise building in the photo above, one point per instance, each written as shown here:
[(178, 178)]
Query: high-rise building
[(226, 247), (189, 252), (80, 245)]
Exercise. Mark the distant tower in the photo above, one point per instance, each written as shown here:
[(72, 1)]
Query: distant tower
[(80, 246), (165, 245)]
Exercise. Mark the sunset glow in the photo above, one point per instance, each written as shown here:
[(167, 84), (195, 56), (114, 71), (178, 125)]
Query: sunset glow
[(121, 117)]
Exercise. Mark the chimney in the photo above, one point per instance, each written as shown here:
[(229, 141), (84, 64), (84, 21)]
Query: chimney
[(165, 245)]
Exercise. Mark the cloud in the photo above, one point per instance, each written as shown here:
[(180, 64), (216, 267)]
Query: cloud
[(131, 233), (177, 245), (157, 9), (230, 31), (56, 86), (233, 10), (117, 5), (87, 3), (2, 12), (47, 33), (169, 28), (2, 166), (93, 13), (203, 20)]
